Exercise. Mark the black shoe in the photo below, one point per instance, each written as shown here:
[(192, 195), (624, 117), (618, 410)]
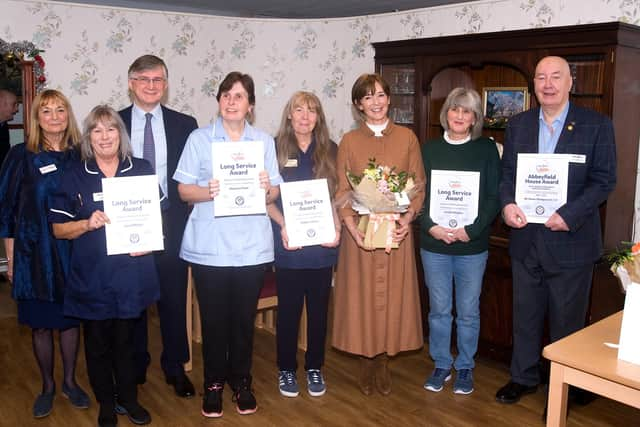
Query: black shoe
[(243, 397), (212, 400), (512, 392), (182, 385), (107, 416), (136, 413)]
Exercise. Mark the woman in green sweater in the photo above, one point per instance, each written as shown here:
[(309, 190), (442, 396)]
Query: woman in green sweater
[(463, 171)]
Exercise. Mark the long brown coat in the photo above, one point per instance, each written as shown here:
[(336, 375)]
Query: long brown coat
[(377, 304)]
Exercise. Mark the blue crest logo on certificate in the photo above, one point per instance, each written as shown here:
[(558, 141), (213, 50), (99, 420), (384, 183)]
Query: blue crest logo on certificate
[(308, 214), (237, 165), (132, 203)]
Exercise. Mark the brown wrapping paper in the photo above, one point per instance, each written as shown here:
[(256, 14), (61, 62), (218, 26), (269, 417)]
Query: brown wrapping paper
[(378, 229)]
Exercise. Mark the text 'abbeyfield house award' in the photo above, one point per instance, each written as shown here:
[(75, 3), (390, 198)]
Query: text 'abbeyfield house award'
[(541, 184)]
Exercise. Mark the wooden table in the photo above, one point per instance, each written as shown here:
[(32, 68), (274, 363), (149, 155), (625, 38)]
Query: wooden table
[(582, 360)]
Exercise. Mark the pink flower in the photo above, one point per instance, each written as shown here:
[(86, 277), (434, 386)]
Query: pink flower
[(383, 186)]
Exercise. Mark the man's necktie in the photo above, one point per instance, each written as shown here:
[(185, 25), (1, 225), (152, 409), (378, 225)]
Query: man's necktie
[(148, 147)]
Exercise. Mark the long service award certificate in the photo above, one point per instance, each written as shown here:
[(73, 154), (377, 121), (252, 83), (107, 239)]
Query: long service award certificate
[(307, 211), (541, 184), (454, 197), (132, 204), (237, 166)]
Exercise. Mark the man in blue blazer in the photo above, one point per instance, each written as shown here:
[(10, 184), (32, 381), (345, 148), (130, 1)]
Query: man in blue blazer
[(170, 129), (552, 263)]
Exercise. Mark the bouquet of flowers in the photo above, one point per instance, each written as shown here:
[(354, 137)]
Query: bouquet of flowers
[(380, 193), (625, 264)]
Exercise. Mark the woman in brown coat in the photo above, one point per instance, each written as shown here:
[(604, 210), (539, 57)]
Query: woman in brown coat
[(376, 293)]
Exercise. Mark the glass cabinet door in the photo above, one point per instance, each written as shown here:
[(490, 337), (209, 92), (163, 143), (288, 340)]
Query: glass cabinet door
[(402, 82)]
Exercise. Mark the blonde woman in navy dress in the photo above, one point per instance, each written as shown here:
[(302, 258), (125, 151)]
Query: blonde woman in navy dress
[(37, 261)]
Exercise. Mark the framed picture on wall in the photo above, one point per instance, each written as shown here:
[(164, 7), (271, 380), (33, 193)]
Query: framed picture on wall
[(500, 103)]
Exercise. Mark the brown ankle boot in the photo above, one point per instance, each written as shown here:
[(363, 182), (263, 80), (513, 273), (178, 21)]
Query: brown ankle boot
[(365, 381), (383, 375)]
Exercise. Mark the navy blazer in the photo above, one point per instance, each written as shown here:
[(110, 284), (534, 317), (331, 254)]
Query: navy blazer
[(585, 132), (177, 127)]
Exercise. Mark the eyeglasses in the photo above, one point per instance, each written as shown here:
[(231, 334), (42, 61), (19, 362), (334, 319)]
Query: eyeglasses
[(147, 81)]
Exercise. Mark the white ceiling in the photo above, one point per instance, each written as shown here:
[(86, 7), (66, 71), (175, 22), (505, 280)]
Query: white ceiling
[(276, 8)]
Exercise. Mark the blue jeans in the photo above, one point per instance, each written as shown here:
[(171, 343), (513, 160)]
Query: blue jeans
[(443, 272)]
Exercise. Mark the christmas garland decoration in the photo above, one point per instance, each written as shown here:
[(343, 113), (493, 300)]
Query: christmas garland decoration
[(25, 50)]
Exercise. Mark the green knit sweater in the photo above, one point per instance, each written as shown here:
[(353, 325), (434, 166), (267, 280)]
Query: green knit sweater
[(479, 155)]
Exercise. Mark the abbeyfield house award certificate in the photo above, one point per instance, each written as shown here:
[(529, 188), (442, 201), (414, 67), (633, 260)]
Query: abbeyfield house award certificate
[(237, 166), (454, 197), (308, 215), (541, 184), (132, 204)]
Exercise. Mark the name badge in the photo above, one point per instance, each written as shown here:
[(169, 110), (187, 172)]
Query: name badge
[(98, 197), (48, 169), (291, 163), (577, 158)]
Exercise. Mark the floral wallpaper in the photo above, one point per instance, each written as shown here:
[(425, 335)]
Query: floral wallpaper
[(89, 48)]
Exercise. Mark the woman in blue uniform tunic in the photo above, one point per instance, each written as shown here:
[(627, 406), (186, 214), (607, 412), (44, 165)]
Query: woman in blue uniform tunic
[(227, 254), (108, 292), (37, 261)]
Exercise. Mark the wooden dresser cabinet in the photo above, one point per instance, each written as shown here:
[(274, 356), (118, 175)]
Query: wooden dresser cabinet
[(605, 66)]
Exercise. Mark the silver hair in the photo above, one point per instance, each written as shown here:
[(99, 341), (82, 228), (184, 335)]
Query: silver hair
[(465, 98), (108, 117)]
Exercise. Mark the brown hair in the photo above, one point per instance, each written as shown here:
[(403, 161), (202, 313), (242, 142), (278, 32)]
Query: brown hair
[(71, 136), (108, 117), (465, 98), (366, 85), (147, 62), (247, 83), (325, 150)]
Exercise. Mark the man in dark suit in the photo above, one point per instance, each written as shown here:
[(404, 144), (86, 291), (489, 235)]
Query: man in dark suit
[(8, 108), (164, 131), (552, 263)]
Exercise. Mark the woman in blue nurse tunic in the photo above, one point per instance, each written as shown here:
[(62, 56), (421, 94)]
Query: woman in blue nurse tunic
[(108, 292), (227, 254)]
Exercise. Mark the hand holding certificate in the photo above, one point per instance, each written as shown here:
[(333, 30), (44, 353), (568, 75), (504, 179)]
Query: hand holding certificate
[(307, 212), (541, 184), (237, 166), (132, 205)]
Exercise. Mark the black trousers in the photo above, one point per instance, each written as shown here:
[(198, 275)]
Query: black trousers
[(294, 287), (108, 347), (228, 297), (542, 288), (172, 311)]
